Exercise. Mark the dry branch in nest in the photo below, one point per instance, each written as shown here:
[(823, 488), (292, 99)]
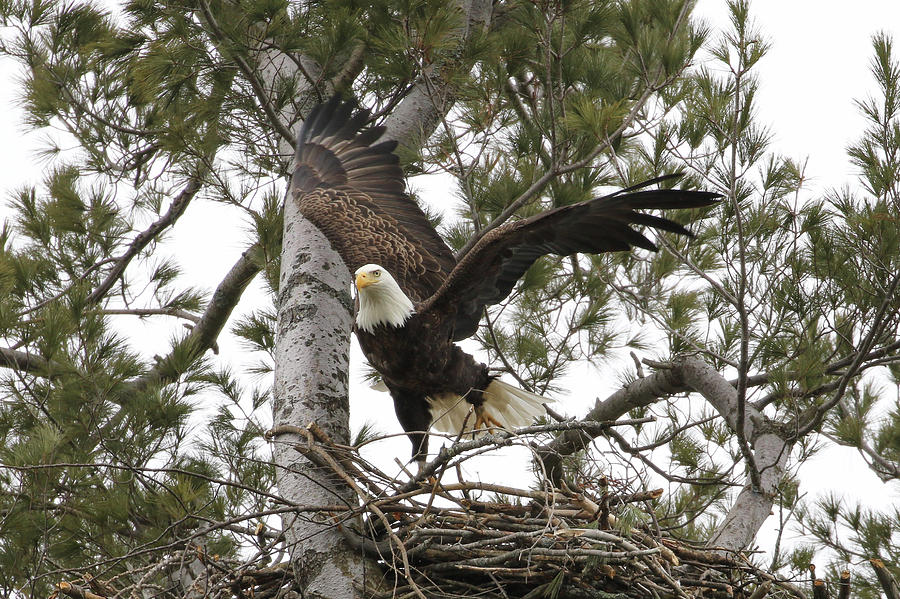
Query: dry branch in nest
[(471, 538)]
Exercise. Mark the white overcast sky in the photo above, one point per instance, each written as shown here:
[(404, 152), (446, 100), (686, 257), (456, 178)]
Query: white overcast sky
[(817, 65)]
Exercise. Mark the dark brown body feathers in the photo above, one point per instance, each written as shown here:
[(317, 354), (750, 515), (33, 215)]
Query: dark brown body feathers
[(352, 188)]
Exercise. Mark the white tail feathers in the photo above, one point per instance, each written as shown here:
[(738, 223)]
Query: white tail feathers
[(511, 406)]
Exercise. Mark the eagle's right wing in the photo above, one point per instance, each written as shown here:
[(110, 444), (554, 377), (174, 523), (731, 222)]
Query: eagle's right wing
[(353, 191)]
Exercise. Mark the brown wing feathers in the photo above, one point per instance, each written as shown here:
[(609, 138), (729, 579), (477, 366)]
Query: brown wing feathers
[(487, 274), (333, 150), (354, 191)]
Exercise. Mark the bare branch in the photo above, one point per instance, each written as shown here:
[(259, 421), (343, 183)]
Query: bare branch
[(223, 301), (638, 393), (770, 454), (23, 361), (891, 589), (152, 312)]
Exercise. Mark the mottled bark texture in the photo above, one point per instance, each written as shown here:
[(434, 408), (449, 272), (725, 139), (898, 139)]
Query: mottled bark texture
[(312, 361)]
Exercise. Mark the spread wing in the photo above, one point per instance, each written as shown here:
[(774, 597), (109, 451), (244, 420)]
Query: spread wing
[(352, 189), (488, 272)]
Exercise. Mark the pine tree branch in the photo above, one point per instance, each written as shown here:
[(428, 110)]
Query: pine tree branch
[(416, 116), (190, 536), (869, 360), (844, 585), (23, 361), (685, 259), (875, 331), (883, 468), (225, 298), (771, 451), (432, 94), (568, 444), (147, 470), (740, 296), (176, 209), (202, 337), (67, 288), (654, 83), (352, 67), (204, 334), (555, 171), (638, 452), (719, 392), (728, 402), (65, 90), (77, 592), (504, 438), (258, 89)]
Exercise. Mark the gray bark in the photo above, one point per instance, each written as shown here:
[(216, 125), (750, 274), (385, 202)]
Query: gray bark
[(770, 445), (770, 454), (414, 116), (420, 112), (312, 349), (639, 393), (23, 361), (311, 374)]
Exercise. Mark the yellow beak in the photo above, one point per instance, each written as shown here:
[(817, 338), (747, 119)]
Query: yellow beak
[(364, 280)]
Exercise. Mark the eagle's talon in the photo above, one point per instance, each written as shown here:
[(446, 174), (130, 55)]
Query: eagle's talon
[(485, 420)]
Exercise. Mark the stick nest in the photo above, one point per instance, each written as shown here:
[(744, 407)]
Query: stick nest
[(477, 539), (440, 536)]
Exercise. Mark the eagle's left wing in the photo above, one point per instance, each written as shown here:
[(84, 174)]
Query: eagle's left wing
[(488, 272)]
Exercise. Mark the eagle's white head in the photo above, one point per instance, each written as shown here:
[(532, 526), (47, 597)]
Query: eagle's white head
[(381, 301)]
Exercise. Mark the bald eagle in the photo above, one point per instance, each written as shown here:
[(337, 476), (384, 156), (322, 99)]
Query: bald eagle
[(415, 299)]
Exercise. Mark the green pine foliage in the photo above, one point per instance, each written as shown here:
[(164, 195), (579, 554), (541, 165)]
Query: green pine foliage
[(793, 287), (113, 458)]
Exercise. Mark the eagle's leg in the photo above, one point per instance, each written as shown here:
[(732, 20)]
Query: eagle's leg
[(414, 415)]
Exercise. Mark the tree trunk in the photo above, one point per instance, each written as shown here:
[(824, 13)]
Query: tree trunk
[(312, 361), (770, 452), (312, 349)]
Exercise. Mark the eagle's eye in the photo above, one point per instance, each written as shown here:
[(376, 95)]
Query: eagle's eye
[(377, 273)]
